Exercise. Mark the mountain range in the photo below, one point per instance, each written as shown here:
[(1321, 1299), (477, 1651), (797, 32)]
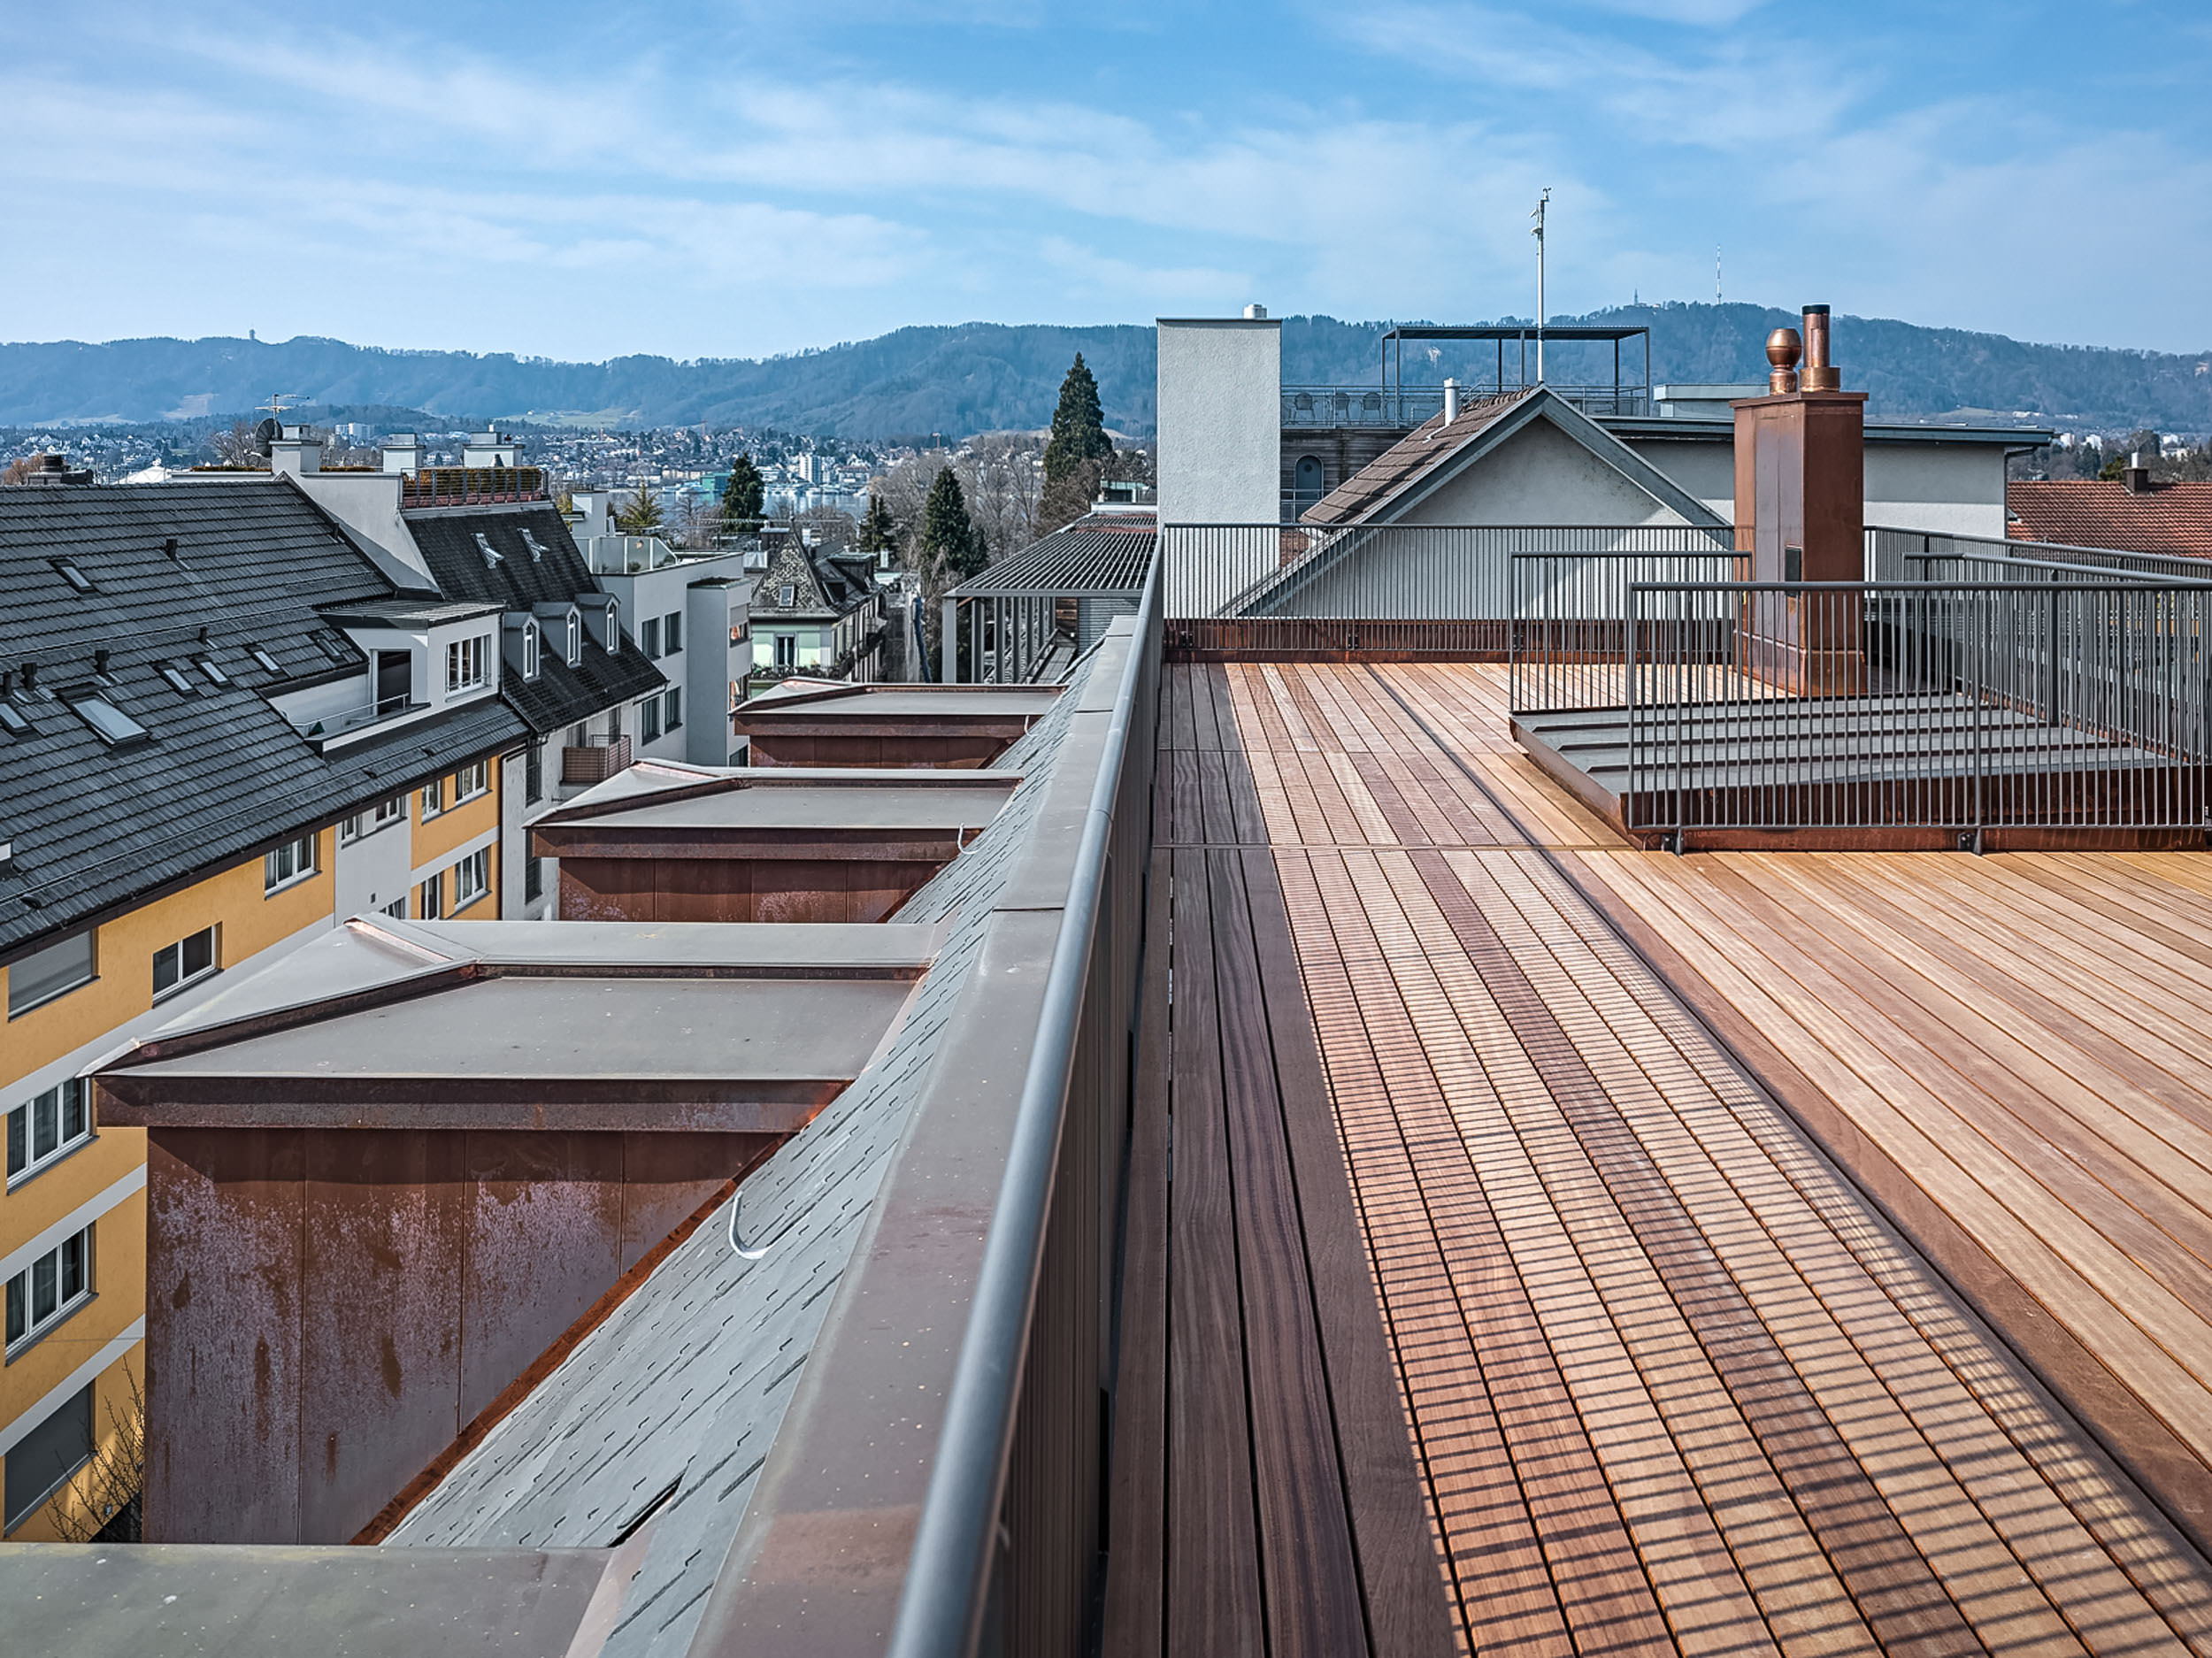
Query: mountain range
[(979, 377)]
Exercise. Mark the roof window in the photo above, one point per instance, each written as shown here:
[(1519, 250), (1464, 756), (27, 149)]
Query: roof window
[(269, 664), (175, 675), (334, 647), (492, 555), (66, 569), (215, 675), (537, 549), (12, 720), (109, 724)]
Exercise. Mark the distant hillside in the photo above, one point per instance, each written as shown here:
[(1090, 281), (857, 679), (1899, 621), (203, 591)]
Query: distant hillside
[(987, 376)]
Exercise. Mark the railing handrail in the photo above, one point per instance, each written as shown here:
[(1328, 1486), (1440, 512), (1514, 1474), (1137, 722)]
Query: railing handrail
[(2109, 573), (942, 1604)]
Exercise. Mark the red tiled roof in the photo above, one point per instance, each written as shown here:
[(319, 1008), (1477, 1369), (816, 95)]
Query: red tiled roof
[(2174, 517)]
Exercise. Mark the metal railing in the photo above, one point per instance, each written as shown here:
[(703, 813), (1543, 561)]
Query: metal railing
[(1894, 555), (1407, 588), (1570, 636), (471, 486), (1956, 707), (1389, 408)]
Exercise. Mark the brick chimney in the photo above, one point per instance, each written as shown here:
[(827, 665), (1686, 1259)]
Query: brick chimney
[(2136, 475), (1801, 508)]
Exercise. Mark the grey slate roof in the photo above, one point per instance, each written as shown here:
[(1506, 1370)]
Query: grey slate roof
[(221, 772), (554, 572), (670, 1406)]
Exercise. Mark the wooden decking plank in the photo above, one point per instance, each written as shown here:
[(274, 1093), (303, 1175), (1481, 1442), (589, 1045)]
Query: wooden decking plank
[(1871, 1396), (1399, 1576), (1134, 1608), (1225, 726), (1315, 1608), (1248, 816), (1505, 1591), (1893, 1584), (1213, 798), (1198, 687), (1213, 1587), (1189, 808)]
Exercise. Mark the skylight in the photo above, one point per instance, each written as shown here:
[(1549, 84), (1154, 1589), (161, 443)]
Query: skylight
[(268, 663), (109, 723), (215, 675), (537, 550), (492, 555), (66, 569), (12, 722), (334, 647), (175, 675)]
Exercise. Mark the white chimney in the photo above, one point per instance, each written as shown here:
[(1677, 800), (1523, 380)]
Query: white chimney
[(1255, 313), (294, 452), (399, 452), (1451, 401), (1220, 420)]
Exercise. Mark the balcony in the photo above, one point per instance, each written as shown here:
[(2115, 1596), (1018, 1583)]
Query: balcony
[(594, 760)]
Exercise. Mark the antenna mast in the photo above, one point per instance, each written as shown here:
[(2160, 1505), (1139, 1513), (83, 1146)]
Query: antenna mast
[(1542, 202)]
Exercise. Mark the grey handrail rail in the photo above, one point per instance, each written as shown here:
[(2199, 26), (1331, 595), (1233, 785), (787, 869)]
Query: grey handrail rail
[(942, 1604)]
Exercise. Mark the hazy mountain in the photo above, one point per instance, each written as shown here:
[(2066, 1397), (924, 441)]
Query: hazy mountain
[(986, 376)]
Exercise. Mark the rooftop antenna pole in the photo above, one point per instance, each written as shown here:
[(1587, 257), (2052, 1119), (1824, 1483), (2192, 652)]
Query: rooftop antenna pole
[(1541, 202), (1716, 273)]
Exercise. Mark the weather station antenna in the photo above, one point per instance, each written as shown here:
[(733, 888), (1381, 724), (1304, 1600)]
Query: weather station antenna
[(1542, 202)]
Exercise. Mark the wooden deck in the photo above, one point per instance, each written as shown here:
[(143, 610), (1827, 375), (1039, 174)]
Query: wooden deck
[(1674, 1381)]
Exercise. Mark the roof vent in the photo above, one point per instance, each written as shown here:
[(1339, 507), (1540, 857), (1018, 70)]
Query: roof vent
[(101, 658), (169, 546), (1820, 373), (2135, 475), (1255, 313), (1451, 401), (492, 555)]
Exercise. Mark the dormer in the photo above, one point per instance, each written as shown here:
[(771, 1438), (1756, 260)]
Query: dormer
[(603, 615), (522, 643), (563, 625)]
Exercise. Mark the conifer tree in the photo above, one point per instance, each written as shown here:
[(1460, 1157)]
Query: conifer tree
[(744, 494), (1079, 426), (640, 516), (949, 538), (878, 534)]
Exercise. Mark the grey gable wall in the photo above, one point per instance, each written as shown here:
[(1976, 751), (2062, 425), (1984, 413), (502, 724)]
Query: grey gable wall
[(1538, 475)]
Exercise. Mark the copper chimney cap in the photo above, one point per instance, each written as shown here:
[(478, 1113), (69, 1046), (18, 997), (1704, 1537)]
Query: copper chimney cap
[(1782, 352), (1821, 373)]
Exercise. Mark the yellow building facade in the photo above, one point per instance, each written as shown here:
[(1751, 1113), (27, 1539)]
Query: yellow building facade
[(73, 1218)]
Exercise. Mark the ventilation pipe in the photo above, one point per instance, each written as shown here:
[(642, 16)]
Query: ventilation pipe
[(1451, 401), (1820, 373)]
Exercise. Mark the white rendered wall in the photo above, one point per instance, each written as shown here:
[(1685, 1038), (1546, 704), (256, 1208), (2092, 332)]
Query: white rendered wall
[(1539, 476), (1946, 489), (1220, 421), (378, 868)]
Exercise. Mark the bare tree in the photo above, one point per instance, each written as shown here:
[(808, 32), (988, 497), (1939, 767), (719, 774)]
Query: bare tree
[(1003, 476), (833, 528), (697, 521), (238, 447), (111, 1483)]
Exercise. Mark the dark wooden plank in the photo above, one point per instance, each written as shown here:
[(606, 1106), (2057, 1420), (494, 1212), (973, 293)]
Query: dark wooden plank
[(1213, 796), (1213, 1583), (1248, 822), (1188, 815), (1224, 706), (1205, 730), (1408, 1613), (1178, 731), (1136, 1561), (1313, 1588)]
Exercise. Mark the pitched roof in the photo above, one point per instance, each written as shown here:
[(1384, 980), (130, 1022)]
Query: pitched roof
[(219, 772), (668, 1408), (824, 586), (2171, 517), (533, 560), (1432, 450), (1101, 553)]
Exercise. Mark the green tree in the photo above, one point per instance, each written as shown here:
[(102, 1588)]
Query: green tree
[(640, 515), (744, 494), (950, 538), (1079, 426), (878, 534)]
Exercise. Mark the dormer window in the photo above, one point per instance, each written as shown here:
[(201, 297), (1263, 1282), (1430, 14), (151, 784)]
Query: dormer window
[(492, 555), (784, 595), (467, 664), (614, 626), (530, 648)]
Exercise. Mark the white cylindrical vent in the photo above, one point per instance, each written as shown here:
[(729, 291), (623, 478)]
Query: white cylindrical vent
[(1451, 400)]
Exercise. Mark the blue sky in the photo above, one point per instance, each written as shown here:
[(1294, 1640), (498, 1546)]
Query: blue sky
[(584, 180)]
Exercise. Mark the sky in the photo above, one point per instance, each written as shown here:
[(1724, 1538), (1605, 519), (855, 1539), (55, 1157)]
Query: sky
[(580, 181)]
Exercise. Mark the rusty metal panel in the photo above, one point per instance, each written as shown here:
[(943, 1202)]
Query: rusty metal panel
[(667, 1177), (607, 889), (223, 1335), (384, 1222), (544, 1242)]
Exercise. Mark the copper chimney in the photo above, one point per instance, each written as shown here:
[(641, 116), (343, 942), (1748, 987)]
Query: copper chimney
[(1782, 352), (1820, 373)]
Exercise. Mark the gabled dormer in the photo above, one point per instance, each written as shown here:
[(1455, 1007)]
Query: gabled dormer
[(603, 615), (522, 643), (563, 623)]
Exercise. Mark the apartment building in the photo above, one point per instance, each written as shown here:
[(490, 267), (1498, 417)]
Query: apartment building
[(819, 613), (222, 729)]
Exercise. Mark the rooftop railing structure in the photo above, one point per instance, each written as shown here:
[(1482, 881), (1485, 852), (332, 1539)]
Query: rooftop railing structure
[(1402, 407), (472, 486), (2001, 694)]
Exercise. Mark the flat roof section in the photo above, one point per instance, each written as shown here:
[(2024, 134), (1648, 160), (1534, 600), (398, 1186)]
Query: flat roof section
[(580, 1025), (869, 701), (934, 726), (822, 812)]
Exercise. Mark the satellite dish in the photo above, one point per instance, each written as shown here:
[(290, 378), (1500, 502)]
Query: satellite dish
[(268, 431)]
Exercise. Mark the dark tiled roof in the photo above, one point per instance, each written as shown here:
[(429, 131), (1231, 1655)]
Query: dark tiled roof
[(2175, 518), (221, 771), (1410, 458), (824, 586), (522, 578)]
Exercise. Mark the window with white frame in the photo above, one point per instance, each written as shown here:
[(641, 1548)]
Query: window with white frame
[(187, 962), (433, 798), (471, 781), (49, 1289), (672, 632), (472, 879), (46, 1128), (672, 709), (574, 653), (649, 719), (467, 662), (530, 651), (55, 970), (290, 863), (427, 897), (367, 822), (787, 650)]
